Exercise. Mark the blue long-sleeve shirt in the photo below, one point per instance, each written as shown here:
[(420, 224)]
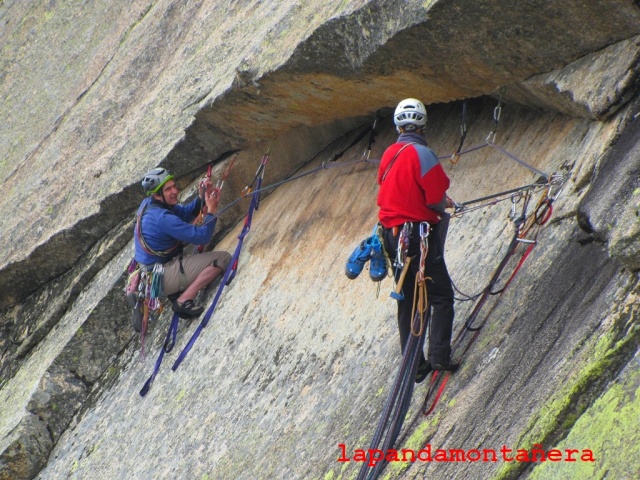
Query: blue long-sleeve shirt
[(164, 226)]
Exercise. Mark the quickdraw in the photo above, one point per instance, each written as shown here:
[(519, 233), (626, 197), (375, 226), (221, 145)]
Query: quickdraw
[(402, 262), (490, 140), (497, 112), (217, 189), (555, 180), (455, 157), (372, 137), (258, 177)]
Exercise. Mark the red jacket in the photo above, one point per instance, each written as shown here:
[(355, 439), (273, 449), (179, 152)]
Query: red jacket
[(413, 186)]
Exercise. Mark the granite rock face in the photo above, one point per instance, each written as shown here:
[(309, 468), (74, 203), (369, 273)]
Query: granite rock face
[(298, 359)]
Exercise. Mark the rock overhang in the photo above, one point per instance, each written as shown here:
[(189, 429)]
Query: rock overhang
[(350, 63)]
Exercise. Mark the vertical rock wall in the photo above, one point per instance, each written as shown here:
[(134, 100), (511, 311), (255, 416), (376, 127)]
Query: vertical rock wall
[(282, 375)]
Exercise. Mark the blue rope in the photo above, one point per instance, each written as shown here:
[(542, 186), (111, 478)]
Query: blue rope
[(229, 274), (169, 342)]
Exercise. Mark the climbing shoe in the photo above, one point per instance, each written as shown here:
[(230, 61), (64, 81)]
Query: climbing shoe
[(358, 258), (136, 316), (447, 366), (187, 309), (424, 369), (378, 263)]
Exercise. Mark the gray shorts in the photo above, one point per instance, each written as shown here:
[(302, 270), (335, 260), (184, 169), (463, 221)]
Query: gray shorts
[(174, 281)]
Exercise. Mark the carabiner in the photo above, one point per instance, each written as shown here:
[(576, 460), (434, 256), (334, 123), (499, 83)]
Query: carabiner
[(424, 230)]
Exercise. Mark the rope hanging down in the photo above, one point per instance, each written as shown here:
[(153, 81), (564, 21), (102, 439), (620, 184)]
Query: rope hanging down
[(396, 406), (229, 274)]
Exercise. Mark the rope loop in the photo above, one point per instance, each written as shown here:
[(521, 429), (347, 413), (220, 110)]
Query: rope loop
[(420, 303), (420, 300)]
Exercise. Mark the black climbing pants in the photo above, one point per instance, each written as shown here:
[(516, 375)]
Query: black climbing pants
[(439, 292)]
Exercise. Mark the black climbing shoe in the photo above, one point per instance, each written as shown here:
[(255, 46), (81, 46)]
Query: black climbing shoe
[(423, 371), (136, 316), (187, 309), (445, 366)]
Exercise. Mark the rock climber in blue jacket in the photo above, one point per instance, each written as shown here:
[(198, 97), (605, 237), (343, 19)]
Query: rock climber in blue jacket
[(164, 226)]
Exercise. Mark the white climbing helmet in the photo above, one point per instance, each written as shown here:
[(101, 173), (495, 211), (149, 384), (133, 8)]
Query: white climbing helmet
[(155, 179), (410, 112)]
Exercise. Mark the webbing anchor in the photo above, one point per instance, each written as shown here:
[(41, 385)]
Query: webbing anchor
[(527, 241)]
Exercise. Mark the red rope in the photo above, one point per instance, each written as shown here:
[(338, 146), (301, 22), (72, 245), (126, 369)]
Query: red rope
[(438, 393)]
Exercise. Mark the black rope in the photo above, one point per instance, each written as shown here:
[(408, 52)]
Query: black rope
[(396, 406), (372, 135), (465, 297), (463, 129), (323, 166)]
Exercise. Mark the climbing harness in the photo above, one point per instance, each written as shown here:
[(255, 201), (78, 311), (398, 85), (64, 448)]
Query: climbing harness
[(143, 243)]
